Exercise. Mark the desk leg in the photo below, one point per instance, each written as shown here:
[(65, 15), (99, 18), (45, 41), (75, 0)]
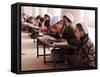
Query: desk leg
[(33, 36), (44, 54), (37, 48), (54, 61)]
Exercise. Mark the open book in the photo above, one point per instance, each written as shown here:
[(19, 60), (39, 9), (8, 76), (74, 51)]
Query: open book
[(60, 43)]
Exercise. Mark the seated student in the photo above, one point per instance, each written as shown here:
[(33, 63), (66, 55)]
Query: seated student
[(41, 22), (85, 56), (46, 20), (41, 25), (29, 19), (64, 26), (37, 20), (24, 17), (64, 32), (55, 33), (36, 23)]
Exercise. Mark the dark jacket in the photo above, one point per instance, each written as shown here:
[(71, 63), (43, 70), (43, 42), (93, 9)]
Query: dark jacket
[(68, 34), (88, 50), (46, 23)]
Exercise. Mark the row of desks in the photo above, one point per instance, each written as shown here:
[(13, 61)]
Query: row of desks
[(30, 25), (49, 41)]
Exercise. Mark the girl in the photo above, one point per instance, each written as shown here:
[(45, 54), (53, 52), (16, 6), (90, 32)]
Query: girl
[(86, 50)]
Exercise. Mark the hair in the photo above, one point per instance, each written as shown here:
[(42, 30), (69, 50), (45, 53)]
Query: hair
[(80, 27), (46, 15), (38, 17), (41, 19)]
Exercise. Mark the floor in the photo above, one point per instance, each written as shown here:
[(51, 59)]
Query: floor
[(29, 60)]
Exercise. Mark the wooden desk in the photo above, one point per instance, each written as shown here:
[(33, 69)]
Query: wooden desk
[(46, 42), (31, 25), (34, 30)]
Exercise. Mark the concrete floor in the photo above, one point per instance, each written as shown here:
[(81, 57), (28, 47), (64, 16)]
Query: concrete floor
[(29, 60)]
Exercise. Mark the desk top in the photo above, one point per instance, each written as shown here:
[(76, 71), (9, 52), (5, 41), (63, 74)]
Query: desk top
[(30, 25), (52, 42)]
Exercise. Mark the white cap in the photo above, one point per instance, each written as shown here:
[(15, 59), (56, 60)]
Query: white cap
[(84, 26), (54, 20), (69, 16)]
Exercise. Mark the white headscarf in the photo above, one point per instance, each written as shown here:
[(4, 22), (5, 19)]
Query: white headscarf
[(54, 20), (84, 26), (69, 16)]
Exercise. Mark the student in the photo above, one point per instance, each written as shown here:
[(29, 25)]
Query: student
[(85, 55), (54, 28), (36, 23), (68, 19), (46, 20), (30, 19), (64, 29), (41, 22), (41, 25), (37, 20), (86, 50), (24, 17), (64, 32)]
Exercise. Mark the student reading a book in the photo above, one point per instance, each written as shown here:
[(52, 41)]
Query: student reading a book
[(47, 20), (63, 30), (85, 54), (86, 51), (63, 27)]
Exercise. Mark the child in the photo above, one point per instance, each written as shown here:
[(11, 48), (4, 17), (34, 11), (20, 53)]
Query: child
[(86, 50)]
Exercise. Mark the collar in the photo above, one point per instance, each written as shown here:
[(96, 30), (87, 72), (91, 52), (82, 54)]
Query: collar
[(63, 28)]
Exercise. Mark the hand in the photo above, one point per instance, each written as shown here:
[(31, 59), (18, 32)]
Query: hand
[(60, 40)]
